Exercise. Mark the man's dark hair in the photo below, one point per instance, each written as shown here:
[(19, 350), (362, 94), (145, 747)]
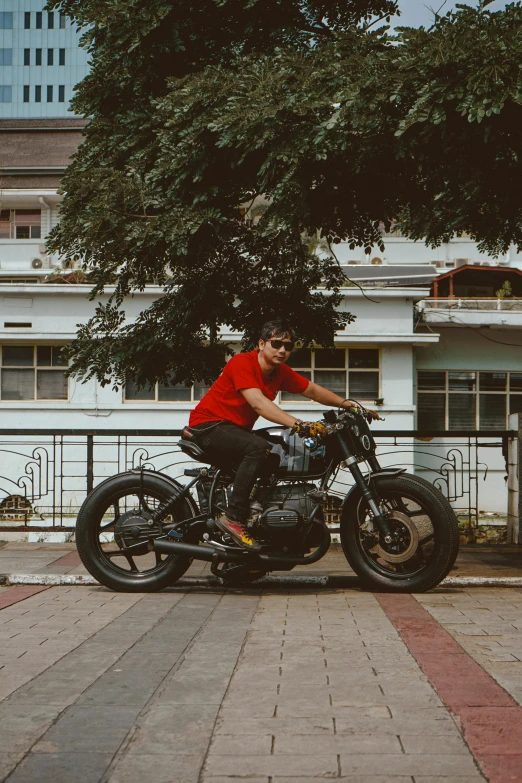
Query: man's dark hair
[(276, 328)]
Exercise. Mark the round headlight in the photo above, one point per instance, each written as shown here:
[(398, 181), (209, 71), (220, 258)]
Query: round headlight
[(365, 440)]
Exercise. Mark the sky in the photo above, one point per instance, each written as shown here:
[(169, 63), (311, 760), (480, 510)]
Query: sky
[(415, 13)]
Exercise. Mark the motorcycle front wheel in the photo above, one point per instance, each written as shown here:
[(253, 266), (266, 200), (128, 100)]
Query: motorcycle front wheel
[(426, 536), (113, 531)]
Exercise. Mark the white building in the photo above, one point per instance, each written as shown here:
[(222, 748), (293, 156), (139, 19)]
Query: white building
[(387, 354)]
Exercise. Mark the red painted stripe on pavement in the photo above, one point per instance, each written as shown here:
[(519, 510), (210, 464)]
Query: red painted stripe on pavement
[(491, 720), (20, 593)]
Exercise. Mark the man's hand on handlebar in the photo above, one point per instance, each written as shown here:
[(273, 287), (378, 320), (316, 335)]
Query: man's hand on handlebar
[(309, 429), (369, 415)]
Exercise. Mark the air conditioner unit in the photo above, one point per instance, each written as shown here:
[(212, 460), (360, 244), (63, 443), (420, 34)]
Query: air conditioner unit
[(37, 263), (503, 262), (462, 262), (352, 262), (437, 264), (449, 263)]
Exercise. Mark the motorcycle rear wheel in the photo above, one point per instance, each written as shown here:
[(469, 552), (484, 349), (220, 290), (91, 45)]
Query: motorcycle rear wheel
[(102, 534), (426, 524)]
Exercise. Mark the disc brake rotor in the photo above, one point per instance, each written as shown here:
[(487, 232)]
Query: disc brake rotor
[(410, 547)]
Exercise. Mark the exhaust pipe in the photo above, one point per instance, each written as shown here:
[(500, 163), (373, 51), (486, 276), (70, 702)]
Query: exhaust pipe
[(208, 553), (197, 552)]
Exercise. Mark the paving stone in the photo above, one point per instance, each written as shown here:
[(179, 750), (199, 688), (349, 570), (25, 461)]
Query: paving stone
[(302, 766), (61, 768), (237, 745), (356, 779), (155, 769), (85, 729), (229, 779), (476, 778), (442, 764), (340, 743), (8, 762), (250, 725), (185, 730), (415, 743)]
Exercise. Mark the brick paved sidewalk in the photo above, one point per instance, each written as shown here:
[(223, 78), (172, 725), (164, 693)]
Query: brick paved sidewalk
[(215, 686), (62, 559)]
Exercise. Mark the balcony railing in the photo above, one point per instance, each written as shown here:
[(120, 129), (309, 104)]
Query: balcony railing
[(472, 304)]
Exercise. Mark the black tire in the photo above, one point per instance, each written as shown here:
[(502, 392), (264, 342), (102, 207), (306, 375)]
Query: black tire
[(435, 553), (94, 553)]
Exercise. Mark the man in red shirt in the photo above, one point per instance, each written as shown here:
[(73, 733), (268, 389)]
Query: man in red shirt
[(221, 424)]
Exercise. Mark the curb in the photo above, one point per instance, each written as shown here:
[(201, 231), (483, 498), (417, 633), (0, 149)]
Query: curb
[(56, 580)]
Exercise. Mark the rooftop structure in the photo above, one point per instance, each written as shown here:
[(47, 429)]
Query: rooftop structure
[(475, 296)]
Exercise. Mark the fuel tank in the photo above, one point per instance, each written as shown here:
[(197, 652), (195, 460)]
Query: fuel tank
[(290, 457)]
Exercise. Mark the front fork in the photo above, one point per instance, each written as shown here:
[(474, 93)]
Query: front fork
[(351, 462)]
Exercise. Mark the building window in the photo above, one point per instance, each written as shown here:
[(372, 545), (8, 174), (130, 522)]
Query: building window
[(62, 21), (27, 57), (20, 223), (38, 57), (6, 20), (61, 57), (349, 372), (467, 400), (26, 93), (38, 93), (163, 393), (50, 20), (50, 94), (50, 57), (6, 93), (31, 372), (27, 20), (38, 20), (6, 56), (61, 93)]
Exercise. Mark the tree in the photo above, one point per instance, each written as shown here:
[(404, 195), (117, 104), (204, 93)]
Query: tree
[(200, 107)]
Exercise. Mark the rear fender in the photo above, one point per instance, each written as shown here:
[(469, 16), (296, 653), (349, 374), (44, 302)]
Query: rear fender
[(175, 486)]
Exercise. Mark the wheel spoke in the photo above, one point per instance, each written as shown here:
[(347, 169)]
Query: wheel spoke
[(131, 563), (126, 550), (108, 525)]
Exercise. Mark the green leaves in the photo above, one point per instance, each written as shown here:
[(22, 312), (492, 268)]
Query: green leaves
[(332, 125)]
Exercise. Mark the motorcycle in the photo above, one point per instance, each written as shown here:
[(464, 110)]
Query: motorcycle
[(140, 530)]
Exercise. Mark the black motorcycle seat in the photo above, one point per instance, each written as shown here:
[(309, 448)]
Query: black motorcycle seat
[(193, 451)]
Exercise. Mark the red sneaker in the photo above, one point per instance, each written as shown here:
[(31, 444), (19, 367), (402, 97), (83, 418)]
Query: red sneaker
[(239, 532)]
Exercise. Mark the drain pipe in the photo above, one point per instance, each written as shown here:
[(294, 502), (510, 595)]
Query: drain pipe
[(47, 206)]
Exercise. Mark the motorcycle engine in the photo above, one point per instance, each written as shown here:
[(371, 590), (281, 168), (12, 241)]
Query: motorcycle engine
[(278, 513)]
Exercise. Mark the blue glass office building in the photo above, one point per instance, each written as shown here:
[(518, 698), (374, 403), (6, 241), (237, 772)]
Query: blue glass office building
[(40, 61)]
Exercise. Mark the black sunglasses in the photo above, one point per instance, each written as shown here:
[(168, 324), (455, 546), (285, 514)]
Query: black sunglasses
[(277, 344)]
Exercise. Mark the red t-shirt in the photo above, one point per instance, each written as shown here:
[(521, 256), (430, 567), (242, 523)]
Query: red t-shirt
[(224, 401)]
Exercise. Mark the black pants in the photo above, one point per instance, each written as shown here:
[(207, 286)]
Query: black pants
[(225, 442)]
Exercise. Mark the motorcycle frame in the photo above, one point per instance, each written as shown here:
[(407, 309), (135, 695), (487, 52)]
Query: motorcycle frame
[(350, 461)]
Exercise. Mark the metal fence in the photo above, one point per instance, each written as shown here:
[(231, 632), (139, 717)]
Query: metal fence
[(46, 474)]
